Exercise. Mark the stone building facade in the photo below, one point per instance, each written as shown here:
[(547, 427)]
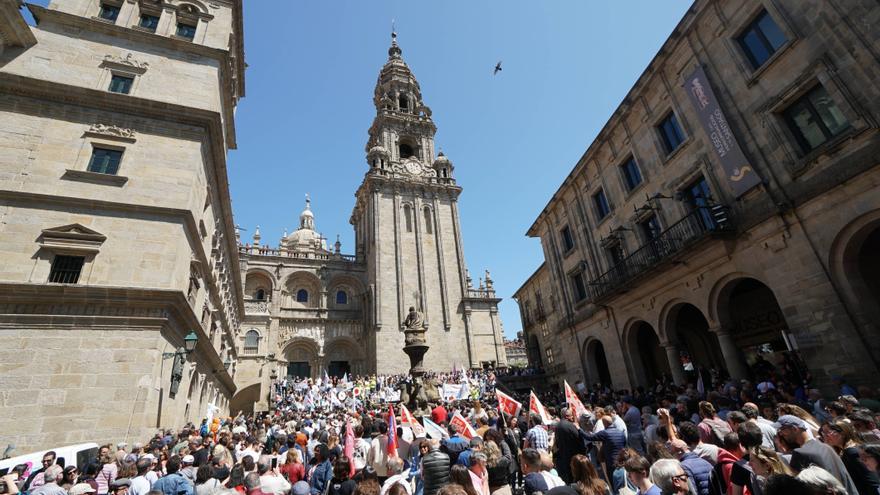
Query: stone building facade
[(728, 209), (116, 229), (310, 310)]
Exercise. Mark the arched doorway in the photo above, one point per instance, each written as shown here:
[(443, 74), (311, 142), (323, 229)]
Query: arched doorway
[(342, 356), (302, 359), (648, 357), (868, 266), (595, 363), (697, 345), (749, 311)]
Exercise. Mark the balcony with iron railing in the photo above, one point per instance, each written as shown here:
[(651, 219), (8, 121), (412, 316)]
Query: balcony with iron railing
[(698, 225)]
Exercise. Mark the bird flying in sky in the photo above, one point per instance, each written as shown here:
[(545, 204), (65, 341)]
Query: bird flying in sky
[(497, 68)]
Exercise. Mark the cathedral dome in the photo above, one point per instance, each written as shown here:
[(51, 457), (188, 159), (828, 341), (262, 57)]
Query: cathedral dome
[(305, 238), (442, 160)]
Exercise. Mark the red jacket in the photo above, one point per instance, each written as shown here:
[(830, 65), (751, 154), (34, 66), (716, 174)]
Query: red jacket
[(439, 414)]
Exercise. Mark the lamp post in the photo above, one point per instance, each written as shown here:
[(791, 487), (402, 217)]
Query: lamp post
[(189, 345)]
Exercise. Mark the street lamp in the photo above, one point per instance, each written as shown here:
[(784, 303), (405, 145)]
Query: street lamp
[(189, 345)]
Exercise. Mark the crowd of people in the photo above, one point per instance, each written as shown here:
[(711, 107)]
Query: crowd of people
[(341, 436)]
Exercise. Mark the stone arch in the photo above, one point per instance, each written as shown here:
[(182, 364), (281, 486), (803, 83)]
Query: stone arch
[(751, 318), (244, 399), (352, 287), (343, 355), (258, 279), (716, 305), (687, 327), (644, 345), (594, 362), (297, 281), (857, 274), (303, 357), (533, 351), (195, 3)]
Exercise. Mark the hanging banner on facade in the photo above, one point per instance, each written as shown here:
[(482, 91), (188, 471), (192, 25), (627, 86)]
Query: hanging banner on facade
[(739, 173)]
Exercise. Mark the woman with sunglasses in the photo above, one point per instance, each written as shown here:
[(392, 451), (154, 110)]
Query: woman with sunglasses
[(842, 437)]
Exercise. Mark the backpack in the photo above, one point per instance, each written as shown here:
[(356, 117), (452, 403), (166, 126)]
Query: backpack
[(718, 432)]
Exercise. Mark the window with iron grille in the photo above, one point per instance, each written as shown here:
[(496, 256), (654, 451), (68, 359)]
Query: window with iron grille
[(66, 269), (251, 341)]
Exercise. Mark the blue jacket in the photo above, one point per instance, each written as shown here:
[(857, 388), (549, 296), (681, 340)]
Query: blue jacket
[(173, 484), (455, 445), (320, 478), (699, 471), (613, 441)]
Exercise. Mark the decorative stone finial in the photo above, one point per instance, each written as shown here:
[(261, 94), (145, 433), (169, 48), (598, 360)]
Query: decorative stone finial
[(394, 52), (257, 236), (470, 281), (337, 246)]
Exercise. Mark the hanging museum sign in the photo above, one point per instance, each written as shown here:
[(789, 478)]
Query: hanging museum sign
[(739, 174)]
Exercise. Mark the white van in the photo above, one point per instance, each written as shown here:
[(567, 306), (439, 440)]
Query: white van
[(79, 455)]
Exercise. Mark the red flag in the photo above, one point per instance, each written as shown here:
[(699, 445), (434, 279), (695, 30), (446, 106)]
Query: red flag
[(407, 419), (506, 404), (464, 426), (391, 447), (577, 407), (536, 407), (349, 446)]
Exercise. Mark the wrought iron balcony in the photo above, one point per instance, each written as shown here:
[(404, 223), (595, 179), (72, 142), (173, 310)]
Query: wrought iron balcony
[(697, 225)]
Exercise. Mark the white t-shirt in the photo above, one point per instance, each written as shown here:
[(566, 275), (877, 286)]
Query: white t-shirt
[(140, 485)]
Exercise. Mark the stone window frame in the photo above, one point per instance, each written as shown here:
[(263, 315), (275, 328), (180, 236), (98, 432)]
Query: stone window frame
[(126, 66), (593, 193), (69, 240), (97, 6), (199, 19), (101, 136), (659, 142), (428, 219), (700, 167), (408, 217), (622, 175), (578, 271), (822, 72), (566, 251), (750, 73), (244, 342), (144, 8)]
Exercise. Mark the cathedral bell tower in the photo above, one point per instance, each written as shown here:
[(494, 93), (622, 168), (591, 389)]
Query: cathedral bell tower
[(407, 232)]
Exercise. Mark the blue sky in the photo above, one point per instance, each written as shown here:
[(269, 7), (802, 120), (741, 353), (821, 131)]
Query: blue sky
[(513, 138)]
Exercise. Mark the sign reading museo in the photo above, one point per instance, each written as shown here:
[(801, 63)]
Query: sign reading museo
[(740, 175)]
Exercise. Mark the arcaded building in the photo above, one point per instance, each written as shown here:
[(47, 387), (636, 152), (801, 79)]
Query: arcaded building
[(729, 208), (116, 234), (310, 309)]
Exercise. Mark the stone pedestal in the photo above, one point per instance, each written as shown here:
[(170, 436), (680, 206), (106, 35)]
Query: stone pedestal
[(415, 347)]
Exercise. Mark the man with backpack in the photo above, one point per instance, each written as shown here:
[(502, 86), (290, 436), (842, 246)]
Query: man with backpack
[(712, 428)]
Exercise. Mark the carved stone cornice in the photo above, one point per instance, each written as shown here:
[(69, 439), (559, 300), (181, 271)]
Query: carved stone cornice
[(127, 63), (112, 132)]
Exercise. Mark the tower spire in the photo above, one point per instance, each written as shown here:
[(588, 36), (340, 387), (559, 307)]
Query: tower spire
[(394, 51)]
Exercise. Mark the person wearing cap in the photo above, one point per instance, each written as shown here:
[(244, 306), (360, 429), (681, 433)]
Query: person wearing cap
[(120, 486), (808, 451), (81, 489), (187, 469)]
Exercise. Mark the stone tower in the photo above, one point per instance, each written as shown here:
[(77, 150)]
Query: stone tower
[(407, 231)]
